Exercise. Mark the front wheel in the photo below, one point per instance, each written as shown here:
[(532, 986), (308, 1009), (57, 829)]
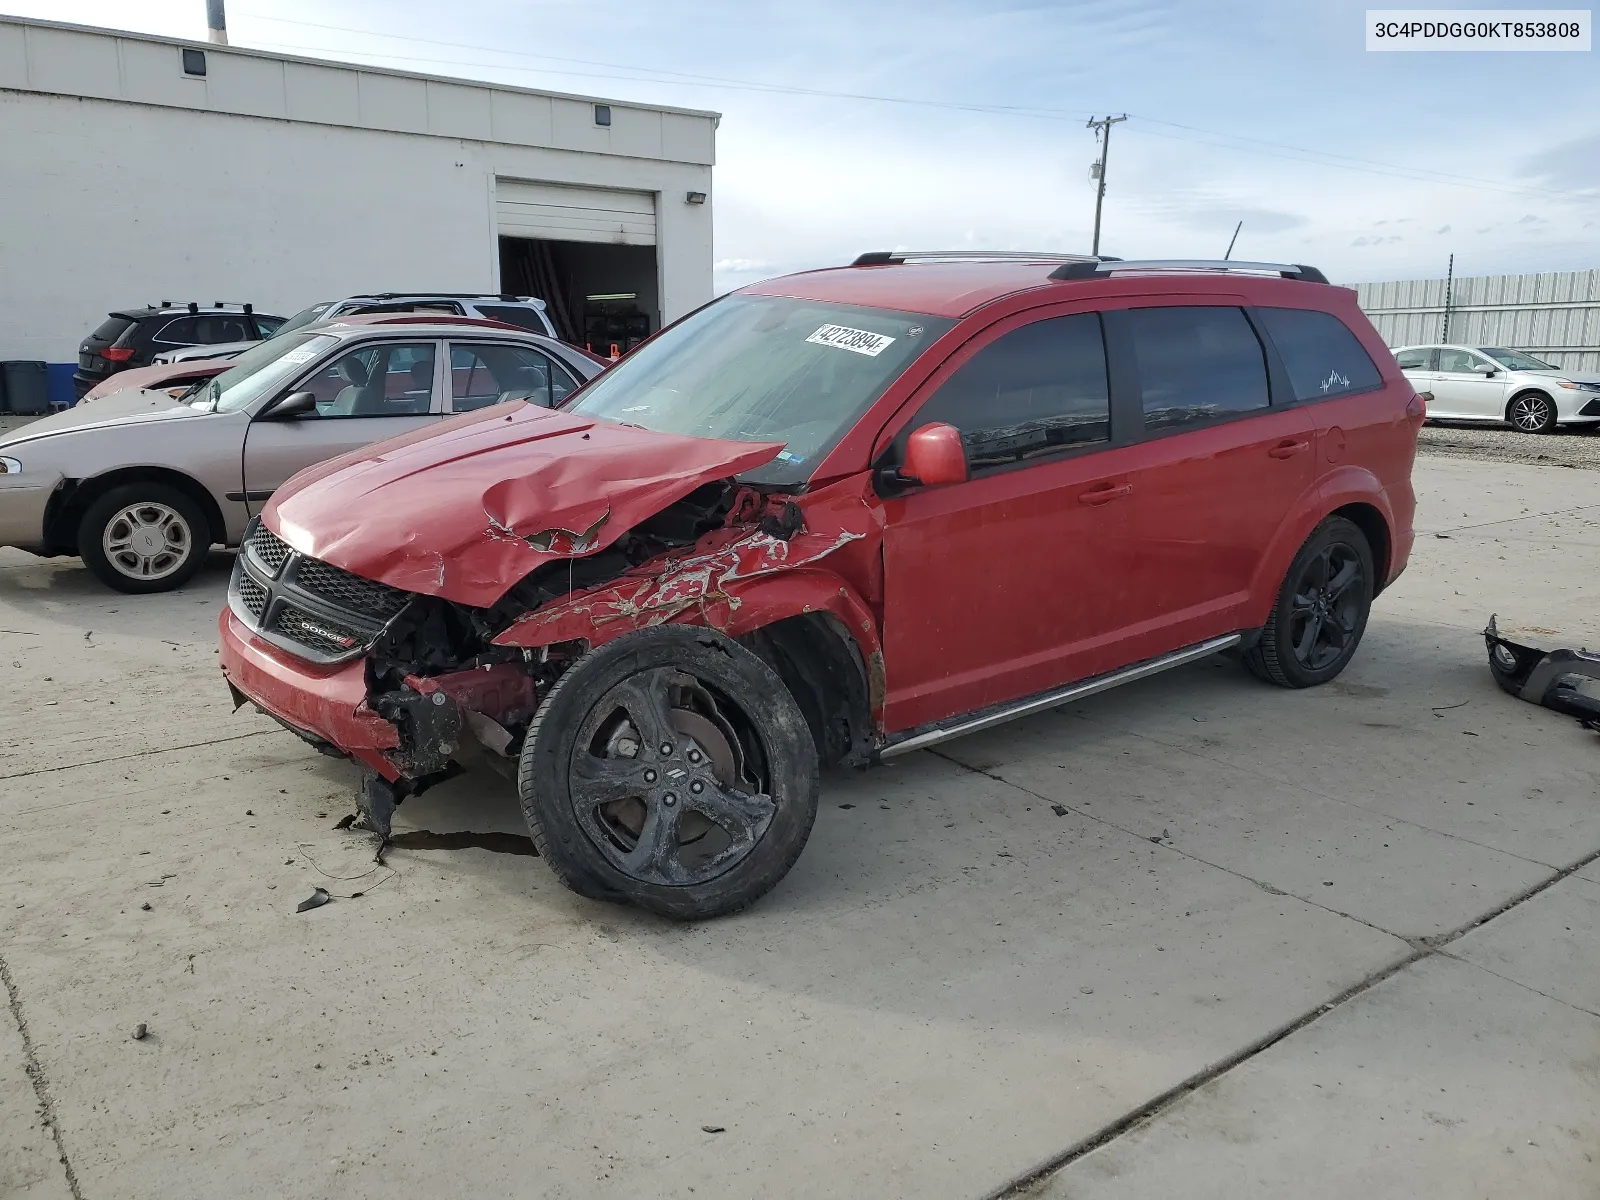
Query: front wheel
[(143, 537), (1532, 412), (670, 768), (1321, 610)]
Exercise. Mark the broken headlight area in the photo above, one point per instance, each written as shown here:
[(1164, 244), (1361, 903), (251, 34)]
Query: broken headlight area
[(1565, 679), (455, 698)]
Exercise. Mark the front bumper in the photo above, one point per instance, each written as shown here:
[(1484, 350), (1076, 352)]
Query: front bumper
[(22, 511), (326, 705)]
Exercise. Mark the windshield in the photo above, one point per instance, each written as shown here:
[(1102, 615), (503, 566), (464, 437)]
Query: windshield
[(764, 369), (1516, 360), (302, 318), (259, 370)]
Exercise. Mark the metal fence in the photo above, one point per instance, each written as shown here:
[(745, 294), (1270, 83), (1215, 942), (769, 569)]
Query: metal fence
[(1555, 316)]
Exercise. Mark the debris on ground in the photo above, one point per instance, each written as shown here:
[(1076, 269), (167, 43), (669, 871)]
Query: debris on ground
[(714, 1128), (1060, 810), (346, 821), (145, 906), (319, 897), (1565, 679), (140, 1031)]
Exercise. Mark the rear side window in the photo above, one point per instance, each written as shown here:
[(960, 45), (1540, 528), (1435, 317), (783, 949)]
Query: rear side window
[(178, 333), (267, 326), (1196, 363), (492, 372), (1322, 356), (511, 314), (111, 329), (210, 331), (1031, 391), (1415, 360)]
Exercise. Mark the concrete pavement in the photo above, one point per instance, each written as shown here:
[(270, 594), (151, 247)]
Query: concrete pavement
[(956, 990)]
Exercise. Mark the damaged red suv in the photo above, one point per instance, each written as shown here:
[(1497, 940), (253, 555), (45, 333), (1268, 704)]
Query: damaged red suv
[(826, 519)]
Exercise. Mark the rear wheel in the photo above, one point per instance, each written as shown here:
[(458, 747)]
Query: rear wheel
[(1321, 610), (143, 537), (670, 768), (1532, 412)]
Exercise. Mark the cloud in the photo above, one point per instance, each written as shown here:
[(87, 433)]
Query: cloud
[(741, 266), (1442, 229), (1571, 165)]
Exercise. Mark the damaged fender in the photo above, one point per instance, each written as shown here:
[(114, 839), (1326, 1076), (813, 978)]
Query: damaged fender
[(735, 581)]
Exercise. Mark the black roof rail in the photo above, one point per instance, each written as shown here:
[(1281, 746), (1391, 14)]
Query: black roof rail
[(1093, 269), (878, 258)]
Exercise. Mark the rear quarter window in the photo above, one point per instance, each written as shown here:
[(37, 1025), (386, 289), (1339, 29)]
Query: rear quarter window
[(111, 329), (1322, 356), (527, 318)]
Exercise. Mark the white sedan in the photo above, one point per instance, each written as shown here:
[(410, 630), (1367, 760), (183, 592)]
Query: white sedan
[(1488, 383)]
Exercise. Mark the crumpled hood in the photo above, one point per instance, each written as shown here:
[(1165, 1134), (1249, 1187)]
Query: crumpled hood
[(119, 408), (465, 509)]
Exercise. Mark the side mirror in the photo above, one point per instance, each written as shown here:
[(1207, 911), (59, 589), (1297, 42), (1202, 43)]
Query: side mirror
[(935, 457), (1486, 370), (292, 407)]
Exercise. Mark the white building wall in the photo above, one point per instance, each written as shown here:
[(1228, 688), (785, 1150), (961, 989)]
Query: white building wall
[(283, 182)]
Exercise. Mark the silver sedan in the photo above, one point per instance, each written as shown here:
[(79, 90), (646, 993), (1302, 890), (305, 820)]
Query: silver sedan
[(141, 484)]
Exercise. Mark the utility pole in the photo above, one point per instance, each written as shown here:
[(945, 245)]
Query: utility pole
[(1449, 281), (1102, 135)]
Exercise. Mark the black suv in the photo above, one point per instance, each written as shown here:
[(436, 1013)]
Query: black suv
[(133, 336)]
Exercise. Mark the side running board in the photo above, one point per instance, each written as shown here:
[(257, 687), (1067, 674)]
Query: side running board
[(1000, 714)]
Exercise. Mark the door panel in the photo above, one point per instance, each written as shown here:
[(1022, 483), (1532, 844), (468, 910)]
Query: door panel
[(1204, 508), (1220, 469), (990, 586), (365, 395), (1459, 391), (1001, 586)]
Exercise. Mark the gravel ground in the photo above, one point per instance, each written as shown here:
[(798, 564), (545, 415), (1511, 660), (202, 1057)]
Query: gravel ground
[(1566, 448)]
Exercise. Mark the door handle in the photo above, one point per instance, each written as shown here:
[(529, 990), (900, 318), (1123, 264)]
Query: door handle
[(1289, 449), (1105, 493)]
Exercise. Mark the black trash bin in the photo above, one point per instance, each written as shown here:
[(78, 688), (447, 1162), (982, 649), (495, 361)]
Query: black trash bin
[(25, 387)]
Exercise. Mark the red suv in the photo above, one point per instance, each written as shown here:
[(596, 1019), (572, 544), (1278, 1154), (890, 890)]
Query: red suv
[(832, 518)]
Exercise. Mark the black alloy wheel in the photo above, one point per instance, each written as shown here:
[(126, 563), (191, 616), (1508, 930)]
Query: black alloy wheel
[(1321, 610), (673, 769)]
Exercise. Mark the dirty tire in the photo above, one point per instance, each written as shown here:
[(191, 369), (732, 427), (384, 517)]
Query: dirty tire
[(1532, 412), (1313, 633), (618, 743), (123, 516)]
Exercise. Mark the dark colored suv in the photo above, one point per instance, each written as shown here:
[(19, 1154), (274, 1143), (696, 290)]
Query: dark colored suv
[(832, 518), (132, 337)]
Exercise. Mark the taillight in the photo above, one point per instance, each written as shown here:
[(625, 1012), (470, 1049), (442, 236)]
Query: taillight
[(117, 353)]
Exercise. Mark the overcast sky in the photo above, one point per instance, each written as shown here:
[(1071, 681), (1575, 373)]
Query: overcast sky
[(1372, 166)]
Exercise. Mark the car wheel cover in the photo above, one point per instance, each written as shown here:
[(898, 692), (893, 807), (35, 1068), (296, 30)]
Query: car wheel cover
[(1326, 610), (147, 541), (659, 781), (1530, 413)]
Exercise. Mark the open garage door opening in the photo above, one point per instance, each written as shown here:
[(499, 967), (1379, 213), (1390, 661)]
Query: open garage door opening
[(589, 253)]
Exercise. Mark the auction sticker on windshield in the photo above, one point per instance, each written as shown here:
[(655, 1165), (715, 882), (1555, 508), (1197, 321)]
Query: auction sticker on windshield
[(842, 337)]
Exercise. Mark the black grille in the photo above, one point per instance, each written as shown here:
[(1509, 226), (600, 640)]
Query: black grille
[(319, 633), (364, 596), (309, 608), (270, 550), (1591, 409), (252, 594)]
